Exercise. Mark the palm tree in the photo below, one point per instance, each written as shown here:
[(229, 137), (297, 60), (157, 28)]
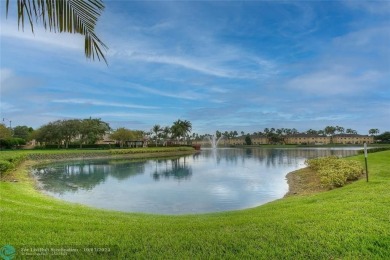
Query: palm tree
[(340, 129), (72, 16), (351, 131), (330, 130), (181, 128), (373, 131), (156, 130)]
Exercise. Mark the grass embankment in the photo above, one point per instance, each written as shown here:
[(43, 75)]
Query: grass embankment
[(352, 222)]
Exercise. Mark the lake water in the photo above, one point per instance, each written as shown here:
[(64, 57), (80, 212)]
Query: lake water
[(209, 181)]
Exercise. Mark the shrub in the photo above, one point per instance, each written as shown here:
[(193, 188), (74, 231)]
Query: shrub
[(5, 166), (335, 172), (9, 161), (374, 150)]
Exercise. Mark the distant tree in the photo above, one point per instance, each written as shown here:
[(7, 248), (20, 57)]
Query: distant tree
[(311, 132), (248, 140), (218, 134), (122, 135), (340, 129), (383, 138), (156, 129), (351, 131), (242, 133), (274, 138), (69, 130), (181, 128), (330, 130), (166, 131), (49, 133), (23, 132), (373, 131), (91, 130), (5, 132), (288, 131), (226, 135)]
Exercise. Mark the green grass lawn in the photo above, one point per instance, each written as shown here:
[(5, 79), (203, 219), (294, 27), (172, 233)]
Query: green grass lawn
[(352, 222)]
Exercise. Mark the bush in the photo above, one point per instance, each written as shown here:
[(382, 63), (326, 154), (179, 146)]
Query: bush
[(11, 142), (374, 150), (150, 150), (335, 172), (77, 146), (9, 161), (5, 166)]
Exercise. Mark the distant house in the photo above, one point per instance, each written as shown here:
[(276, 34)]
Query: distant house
[(106, 139), (352, 139), (307, 139), (259, 139), (233, 141)]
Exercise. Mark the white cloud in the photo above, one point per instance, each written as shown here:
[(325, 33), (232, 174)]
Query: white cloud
[(11, 83), (190, 95), (331, 83), (91, 102), (42, 37)]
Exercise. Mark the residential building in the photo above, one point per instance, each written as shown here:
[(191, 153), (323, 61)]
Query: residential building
[(352, 139), (307, 139)]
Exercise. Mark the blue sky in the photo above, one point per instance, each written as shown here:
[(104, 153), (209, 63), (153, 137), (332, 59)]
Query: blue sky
[(223, 65)]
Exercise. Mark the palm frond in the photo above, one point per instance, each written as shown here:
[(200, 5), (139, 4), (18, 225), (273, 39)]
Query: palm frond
[(73, 16)]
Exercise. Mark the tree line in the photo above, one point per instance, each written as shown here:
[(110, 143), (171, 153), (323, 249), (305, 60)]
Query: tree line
[(81, 132), (62, 133)]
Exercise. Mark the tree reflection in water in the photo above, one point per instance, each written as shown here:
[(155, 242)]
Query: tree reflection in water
[(176, 169), (72, 176)]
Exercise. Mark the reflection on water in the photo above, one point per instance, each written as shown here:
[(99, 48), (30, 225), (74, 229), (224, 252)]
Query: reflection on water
[(212, 180)]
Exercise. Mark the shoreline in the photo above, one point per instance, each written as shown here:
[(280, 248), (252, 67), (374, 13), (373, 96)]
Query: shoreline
[(303, 182)]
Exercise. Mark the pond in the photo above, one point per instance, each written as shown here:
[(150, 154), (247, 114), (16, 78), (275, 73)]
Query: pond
[(208, 181)]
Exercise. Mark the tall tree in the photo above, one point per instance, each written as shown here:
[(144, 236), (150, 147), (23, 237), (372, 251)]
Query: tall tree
[(91, 130), (248, 140), (351, 131), (373, 131), (330, 130), (69, 130), (122, 135), (340, 129), (72, 16), (5, 132), (23, 132), (156, 129), (311, 132), (181, 128), (50, 133)]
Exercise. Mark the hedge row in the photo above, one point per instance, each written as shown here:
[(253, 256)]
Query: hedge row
[(59, 156), (335, 172), (150, 150), (374, 150), (77, 146), (9, 162)]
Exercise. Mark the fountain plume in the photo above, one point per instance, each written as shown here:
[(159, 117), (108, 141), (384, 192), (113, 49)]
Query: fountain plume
[(214, 140)]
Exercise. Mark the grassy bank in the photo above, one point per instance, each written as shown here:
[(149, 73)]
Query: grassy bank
[(350, 222)]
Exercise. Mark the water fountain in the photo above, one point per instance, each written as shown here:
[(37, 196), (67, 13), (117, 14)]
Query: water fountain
[(214, 140)]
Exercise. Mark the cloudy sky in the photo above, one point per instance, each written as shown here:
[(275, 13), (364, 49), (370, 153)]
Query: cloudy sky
[(223, 65)]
